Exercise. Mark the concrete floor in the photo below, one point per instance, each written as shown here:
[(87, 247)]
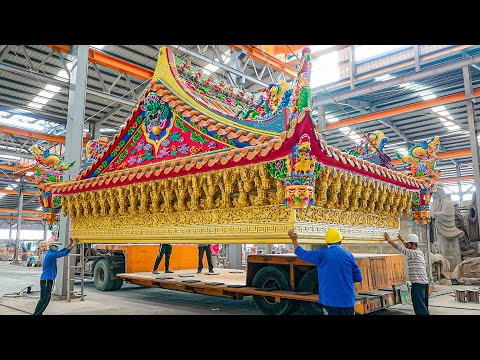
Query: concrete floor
[(136, 300)]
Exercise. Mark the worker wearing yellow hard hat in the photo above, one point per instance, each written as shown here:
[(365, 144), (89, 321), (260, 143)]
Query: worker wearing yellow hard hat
[(337, 271), (333, 236)]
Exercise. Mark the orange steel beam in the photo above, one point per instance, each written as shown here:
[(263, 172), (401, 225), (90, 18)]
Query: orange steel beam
[(111, 62), (319, 53), (37, 135), (379, 115), (446, 155), (25, 169), (456, 179), (24, 218), (13, 176), (7, 167), (274, 63), (23, 211), (13, 192)]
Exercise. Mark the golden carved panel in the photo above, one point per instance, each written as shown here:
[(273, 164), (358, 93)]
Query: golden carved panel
[(264, 214), (342, 217)]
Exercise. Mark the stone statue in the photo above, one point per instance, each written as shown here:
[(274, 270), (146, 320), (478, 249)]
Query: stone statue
[(448, 238), (472, 216)]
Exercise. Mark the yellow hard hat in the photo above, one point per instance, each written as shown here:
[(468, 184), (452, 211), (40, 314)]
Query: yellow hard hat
[(333, 236)]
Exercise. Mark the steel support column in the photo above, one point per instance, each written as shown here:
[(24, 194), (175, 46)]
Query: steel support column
[(268, 248), (10, 226), (416, 50), (45, 232), (19, 223), (73, 150), (234, 256), (321, 122), (467, 79), (352, 67), (459, 175)]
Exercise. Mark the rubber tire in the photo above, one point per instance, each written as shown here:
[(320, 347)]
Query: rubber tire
[(117, 284), (309, 283), (280, 278), (102, 271)]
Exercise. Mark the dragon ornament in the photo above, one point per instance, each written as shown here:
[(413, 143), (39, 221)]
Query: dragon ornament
[(49, 168), (371, 149), (93, 150), (420, 162)]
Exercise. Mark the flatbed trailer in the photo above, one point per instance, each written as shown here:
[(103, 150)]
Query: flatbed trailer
[(282, 283)]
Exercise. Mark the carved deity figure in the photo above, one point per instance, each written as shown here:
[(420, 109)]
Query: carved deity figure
[(447, 237)]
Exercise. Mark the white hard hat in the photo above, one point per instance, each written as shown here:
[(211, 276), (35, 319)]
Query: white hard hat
[(412, 238), (52, 241)]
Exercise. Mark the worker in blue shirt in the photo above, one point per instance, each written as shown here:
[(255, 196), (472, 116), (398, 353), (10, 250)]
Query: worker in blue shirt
[(337, 271), (49, 272)]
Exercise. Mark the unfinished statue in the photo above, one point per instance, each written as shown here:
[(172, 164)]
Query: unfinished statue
[(473, 230), (448, 238)]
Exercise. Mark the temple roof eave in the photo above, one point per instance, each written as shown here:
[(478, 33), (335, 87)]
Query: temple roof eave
[(265, 151)]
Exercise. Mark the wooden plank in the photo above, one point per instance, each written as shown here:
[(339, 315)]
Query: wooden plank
[(379, 271), (148, 279)]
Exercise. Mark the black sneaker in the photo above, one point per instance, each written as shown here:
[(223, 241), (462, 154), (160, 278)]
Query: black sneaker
[(154, 272), (199, 271), (168, 271), (211, 272)]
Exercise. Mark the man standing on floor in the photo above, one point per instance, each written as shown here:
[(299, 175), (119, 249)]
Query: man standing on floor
[(204, 248), (337, 271), (417, 271), (49, 272), (167, 250)]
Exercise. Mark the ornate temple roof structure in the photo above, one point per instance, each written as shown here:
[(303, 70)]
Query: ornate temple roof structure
[(200, 160)]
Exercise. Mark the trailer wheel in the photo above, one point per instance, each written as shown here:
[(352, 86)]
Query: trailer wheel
[(309, 283), (102, 276), (117, 284), (272, 278)]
